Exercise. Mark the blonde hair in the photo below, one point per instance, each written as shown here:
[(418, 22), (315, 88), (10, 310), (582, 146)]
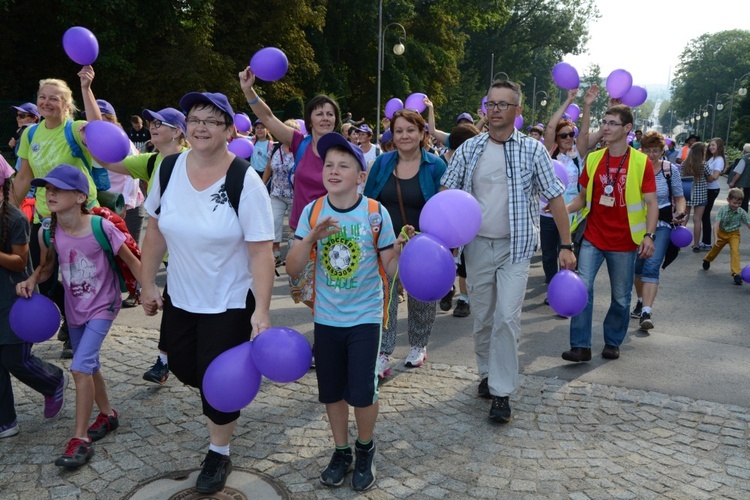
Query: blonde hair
[(746, 149), (292, 123), (67, 95)]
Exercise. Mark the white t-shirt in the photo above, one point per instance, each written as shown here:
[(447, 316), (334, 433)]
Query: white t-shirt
[(370, 155), (490, 186), (715, 164), (209, 263)]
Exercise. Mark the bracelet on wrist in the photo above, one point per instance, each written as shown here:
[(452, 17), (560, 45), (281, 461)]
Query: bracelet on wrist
[(254, 101)]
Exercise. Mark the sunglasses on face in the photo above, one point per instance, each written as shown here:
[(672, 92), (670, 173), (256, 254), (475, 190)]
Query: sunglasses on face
[(24, 115), (568, 135)]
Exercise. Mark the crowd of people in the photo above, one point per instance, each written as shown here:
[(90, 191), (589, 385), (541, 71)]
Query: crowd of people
[(216, 221)]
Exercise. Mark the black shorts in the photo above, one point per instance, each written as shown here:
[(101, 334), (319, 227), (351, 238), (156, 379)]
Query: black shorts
[(194, 340), (345, 359), (461, 268)]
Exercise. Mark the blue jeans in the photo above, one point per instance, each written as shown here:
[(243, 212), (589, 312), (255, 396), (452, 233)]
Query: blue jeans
[(648, 269), (621, 267)]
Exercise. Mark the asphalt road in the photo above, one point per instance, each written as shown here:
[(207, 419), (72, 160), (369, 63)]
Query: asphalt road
[(699, 348)]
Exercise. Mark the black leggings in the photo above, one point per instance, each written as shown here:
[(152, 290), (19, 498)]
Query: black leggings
[(712, 194)]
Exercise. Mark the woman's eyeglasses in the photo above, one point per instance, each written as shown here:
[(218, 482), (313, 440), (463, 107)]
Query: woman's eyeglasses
[(569, 135), (210, 123), (159, 123)]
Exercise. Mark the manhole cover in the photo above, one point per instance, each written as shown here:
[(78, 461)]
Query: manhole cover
[(241, 485)]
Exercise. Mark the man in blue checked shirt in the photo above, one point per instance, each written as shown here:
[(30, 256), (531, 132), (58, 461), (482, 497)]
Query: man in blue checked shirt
[(505, 171)]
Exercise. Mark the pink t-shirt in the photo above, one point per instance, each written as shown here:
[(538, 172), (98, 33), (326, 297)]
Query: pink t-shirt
[(308, 179), (91, 285)]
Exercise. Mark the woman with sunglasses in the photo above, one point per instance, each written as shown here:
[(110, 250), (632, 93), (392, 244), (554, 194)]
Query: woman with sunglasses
[(26, 114), (559, 138)]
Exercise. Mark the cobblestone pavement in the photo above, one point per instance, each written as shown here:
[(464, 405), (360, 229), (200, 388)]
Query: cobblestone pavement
[(567, 439)]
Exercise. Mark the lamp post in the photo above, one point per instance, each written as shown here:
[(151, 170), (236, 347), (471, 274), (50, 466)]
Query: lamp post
[(542, 103), (398, 49), (742, 91)]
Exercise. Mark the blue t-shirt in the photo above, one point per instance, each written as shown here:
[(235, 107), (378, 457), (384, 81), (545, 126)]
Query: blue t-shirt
[(348, 287), (259, 159)]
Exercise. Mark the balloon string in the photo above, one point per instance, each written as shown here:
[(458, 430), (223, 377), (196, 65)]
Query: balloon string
[(395, 276)]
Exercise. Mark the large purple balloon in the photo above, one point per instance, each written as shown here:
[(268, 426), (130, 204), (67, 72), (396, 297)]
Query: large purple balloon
[(282, 354), (242, 122), (745, 274), (106, 141), (232, 381), (416, 102), (453, 216), (269, 64), (426, 268), (636, 96), (518, 122), (565, 76), (484, 105), (392, 106), (302, 126), (561, 172), (618, 83), (81, 45), (681, 236), (241, 147), (35, 319), (567, 293), (573, 111)]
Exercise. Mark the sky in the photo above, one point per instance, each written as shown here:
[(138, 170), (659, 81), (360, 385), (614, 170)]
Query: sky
[(646, 38)]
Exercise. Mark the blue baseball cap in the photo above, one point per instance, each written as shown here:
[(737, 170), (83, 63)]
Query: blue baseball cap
[(386, 137), (465, 116), (365, 128), (65, 177), (28, 108), (106, 107), (216, 99), (335, 139), (169, 116)]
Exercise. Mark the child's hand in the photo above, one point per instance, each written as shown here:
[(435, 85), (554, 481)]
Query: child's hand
[(324, 229), (407, 233), (26, 288)]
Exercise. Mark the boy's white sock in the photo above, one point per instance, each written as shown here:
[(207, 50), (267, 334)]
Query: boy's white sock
[(163, 358), (221, 450)]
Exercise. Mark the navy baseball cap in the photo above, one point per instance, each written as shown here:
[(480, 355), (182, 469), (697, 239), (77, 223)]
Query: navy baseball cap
[(28, 108), (169, 116), (65, 177), (216, 99), (335, 139)]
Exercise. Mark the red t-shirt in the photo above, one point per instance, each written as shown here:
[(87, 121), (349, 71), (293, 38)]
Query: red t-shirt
[(608, 228)]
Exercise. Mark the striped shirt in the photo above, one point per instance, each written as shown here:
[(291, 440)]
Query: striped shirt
[(530, 174)]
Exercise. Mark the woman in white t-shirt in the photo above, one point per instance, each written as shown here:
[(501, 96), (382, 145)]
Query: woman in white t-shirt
[(716, 161), (220, 270)]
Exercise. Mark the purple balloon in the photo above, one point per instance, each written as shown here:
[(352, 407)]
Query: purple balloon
[(302, 127), (269, 64), (681, 236), (618, 83), (232, 381), (636, 96), (426, 268), (393, 105), (282, 354), (575, 131), (561, 172), (35, 319), (567, 293), (573, 111), (484, 105), (745, 274), (416, 102), (80, 45), (241, 147), (565, 76), (106, 141), (242, 122), (453, 216), (518, 123)]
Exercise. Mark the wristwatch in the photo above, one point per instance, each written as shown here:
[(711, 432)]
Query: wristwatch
[(567, 247), (650, 235)]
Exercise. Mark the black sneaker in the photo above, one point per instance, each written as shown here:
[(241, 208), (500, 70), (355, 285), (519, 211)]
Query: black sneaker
[(103, 425), (462, 309), (483, 391), (447, 302), (67, 350), (611, 352), (340, 464), (216, 470), (500, 409), (637, 310), (577, 354), (646, 322), (737, 279), (77, 452), (63, 333), (364, 469), (158, 373), (706, 265)]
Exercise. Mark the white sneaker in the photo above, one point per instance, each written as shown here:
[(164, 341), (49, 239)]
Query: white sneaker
[(9, 430), (416, 357), (383, 366)]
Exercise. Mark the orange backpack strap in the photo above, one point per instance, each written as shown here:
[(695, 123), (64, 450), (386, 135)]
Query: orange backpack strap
[(373, 208), (314, 214)]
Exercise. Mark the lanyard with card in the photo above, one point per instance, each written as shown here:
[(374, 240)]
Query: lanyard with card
[(607, 199)]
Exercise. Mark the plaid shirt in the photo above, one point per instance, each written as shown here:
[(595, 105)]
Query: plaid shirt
[(731, 220), (530, 173)]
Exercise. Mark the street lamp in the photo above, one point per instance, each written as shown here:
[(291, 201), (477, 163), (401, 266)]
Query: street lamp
[(742, 91), (542, 103), (398, 49)]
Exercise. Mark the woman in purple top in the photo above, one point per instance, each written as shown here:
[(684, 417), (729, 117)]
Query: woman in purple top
[(322, 115)]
